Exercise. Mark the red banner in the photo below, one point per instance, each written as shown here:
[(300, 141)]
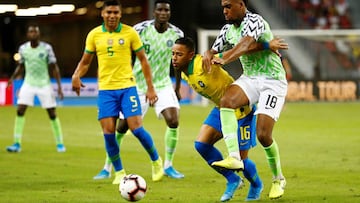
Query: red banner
[(6, 94)]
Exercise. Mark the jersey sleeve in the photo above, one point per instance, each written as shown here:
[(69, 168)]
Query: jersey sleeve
[(254, 26), (90, 43), (21, 52), (220, 40), (51, 54), (136, 43), (140, 27), (177, 30)]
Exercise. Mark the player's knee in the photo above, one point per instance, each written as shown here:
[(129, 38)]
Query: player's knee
[(20, 112), (173, 123), (226, 102), (201, 147), (264, 139)]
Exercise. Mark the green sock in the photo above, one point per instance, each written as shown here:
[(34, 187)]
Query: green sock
[(56, 128), (119, 137), (171, 139), (229, 127), (273, 157), (18, 128)]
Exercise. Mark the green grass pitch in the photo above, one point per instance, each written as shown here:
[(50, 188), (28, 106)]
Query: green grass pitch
[(319, 146)]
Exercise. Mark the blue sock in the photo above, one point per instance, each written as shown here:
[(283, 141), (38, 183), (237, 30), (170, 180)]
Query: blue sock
[(145, 138), (112, 148), (250, 173), (211, 154)]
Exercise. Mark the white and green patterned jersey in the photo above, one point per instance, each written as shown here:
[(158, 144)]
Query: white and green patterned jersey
[(158, 48), (262, 63), (36, 62)]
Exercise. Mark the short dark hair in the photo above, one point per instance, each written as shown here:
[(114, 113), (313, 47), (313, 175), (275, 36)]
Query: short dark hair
[(246, 2), (111, 3), (187, 41), (162, 1)]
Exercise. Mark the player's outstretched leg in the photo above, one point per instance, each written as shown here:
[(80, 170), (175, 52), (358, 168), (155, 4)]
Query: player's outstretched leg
[(277, 188), (106, 171), (171, 139), (157, 169), (14, 148), (57, 131), (279, 182), (211, 154), (229, 163), (229, 128), (18, 130), (231, 187), (147, 142), (119, 175), (256, 185)]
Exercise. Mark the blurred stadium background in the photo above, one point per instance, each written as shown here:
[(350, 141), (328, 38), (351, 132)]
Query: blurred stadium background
[(324, 38)]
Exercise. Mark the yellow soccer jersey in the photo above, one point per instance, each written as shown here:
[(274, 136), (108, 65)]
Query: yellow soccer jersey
[(113, 50), (211, 85)]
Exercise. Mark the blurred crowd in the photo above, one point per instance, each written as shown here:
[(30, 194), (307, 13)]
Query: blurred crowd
[(331, 14), (324, 14)]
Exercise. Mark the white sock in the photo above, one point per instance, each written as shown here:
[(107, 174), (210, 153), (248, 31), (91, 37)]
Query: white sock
[(167, 164)]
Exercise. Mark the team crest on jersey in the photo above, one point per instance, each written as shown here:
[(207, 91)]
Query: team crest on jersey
[(201, 84), (169, 43), (110, 42), (41, 55), (121, 41)]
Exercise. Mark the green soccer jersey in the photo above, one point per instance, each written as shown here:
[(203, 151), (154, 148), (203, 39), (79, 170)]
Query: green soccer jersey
[(158, 48), (36, 62), (262, 63)]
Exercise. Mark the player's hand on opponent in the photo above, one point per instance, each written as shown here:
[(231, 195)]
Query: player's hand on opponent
[(217, 60), (76, 85), (206, 61), (278, 43)]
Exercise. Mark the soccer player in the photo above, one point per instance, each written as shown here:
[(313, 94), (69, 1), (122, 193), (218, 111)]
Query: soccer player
[(38, 61), (263, 82), (212, 86), (158, 36), (113, 43)]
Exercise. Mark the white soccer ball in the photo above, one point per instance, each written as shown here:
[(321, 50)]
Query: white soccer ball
[(132, 187)]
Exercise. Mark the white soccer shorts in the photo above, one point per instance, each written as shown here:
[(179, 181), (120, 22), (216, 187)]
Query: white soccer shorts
[(166, 99), (269, 94), (45, 94)]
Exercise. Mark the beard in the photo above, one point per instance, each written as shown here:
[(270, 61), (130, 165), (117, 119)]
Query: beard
[(234, 21)]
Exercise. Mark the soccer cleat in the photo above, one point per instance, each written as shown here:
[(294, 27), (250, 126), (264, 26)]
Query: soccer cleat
[(103, 174), (230, 190), (277, 188), (157, 170), (119, 175), (254, 193), (60, 148), (172, 173), (14, 148), (229, 163)]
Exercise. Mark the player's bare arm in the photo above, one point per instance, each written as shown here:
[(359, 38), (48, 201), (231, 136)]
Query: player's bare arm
[(274, 45), (177, 74), (18, 71), (233, 54), (206, 60), (56, 74), (80, 71), (150, 94)]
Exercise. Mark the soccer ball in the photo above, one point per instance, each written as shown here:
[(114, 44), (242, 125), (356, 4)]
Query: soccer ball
[(132, 187)]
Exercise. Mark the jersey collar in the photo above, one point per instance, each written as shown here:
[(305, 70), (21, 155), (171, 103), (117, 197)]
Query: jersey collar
[(191, 66), (118, 29)]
